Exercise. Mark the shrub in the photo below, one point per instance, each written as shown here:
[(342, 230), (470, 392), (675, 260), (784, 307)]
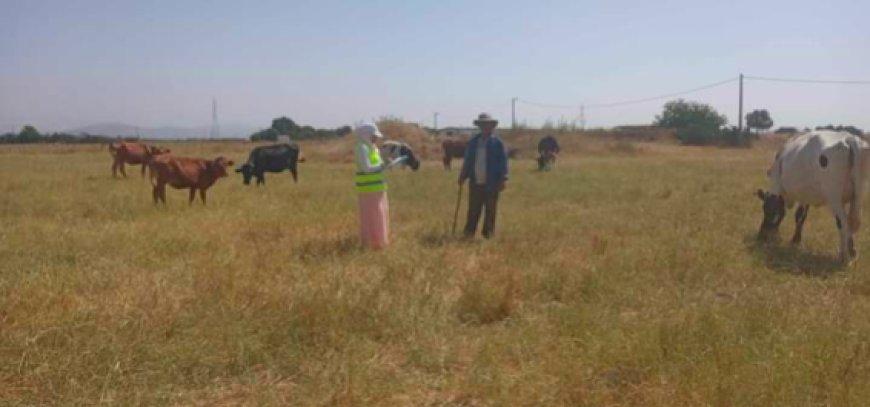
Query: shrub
[(697, 134), (733, 137)]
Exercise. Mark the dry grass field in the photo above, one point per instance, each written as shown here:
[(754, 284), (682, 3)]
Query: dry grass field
[(627, 276)]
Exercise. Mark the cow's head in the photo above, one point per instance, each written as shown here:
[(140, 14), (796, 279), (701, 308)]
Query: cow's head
[(773, 206), (247, 171), (218, 167), (412, 159)]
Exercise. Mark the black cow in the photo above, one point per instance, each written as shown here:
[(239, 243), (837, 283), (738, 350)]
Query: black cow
[(548, 149), (274, 158)]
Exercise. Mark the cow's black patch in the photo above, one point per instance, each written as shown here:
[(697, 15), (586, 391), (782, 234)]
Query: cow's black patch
[(823, 160)]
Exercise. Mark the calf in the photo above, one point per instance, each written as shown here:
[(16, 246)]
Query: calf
[(814, 169), (395, 149), (133, 154), (548, 149), (274, 158), (191, 173), (453, 149)]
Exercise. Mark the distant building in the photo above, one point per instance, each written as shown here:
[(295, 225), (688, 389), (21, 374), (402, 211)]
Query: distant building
[(456, 131)]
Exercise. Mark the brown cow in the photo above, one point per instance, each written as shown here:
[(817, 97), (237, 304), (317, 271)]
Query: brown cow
[(453, 149), (192, 173), (133, 154)]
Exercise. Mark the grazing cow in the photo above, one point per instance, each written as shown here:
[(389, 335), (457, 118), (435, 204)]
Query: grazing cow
[(453, 149), (191, 173), (814, 169), (274, 158), (133, 154), (548, 149), (395, 149)]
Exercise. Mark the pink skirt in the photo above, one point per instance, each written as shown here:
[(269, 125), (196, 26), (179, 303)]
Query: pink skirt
[(374, 220)]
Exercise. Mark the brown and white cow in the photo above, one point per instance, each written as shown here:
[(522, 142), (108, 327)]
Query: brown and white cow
[(453, 149), (185, 173), (133, 154)]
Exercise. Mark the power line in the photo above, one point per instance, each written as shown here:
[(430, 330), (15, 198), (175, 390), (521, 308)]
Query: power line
[(631, 101), (664, 96), (548, 105), (795, 80)]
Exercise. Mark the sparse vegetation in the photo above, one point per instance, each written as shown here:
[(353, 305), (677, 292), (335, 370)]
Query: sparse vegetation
[(617, 279), (30, 135), (283, 126)]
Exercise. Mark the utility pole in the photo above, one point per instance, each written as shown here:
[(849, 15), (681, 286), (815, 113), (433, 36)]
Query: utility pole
[(435, 122), (740, 108), (514, 113), (214, 132)]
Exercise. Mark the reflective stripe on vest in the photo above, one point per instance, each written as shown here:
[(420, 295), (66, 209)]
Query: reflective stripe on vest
[(371, 181)]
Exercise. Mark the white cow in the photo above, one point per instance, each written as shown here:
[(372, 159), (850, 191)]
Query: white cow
[(394, 149), (814, 169)]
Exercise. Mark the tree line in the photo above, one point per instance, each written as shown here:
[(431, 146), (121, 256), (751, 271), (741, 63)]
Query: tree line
[(29, 135), (284, 126), (695, 124), (700, 124)]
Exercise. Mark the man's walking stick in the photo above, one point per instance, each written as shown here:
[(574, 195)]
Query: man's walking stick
[(456, 212)]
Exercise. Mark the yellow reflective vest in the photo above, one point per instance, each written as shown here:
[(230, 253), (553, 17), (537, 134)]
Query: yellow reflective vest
[(371, 181)]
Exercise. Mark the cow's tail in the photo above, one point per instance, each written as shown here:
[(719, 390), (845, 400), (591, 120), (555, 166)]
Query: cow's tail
[(858, 173)]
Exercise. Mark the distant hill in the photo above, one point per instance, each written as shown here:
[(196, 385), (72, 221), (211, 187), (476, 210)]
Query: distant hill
[(163, 132)]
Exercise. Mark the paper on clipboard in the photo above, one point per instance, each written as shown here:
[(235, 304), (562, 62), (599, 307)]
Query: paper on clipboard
[(397, 161)]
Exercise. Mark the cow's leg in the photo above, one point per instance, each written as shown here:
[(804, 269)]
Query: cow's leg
[(294, 172), (114, 167), (143, 170), (121, 167), (800, 217), (202, 195), (191, 195), (261, 178), (159, 193), (845, 232), (854, 225)]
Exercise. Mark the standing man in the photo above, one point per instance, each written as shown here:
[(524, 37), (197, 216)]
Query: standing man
[(485, 166)]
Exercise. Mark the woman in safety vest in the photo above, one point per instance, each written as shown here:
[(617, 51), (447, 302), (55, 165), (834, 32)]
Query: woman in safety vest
[(371, 187)]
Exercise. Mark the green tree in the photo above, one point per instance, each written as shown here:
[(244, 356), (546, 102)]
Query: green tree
[(285, 126), (759, 120), (29, 134), (680, 114), (695, 123)]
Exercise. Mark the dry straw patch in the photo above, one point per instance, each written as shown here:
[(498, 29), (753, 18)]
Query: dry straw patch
[(626, 276)]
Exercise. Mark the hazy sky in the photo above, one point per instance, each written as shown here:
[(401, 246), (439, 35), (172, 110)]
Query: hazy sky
[(70, 63)]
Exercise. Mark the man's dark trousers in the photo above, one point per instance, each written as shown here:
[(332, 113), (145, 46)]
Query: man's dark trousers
[(481, 199)]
